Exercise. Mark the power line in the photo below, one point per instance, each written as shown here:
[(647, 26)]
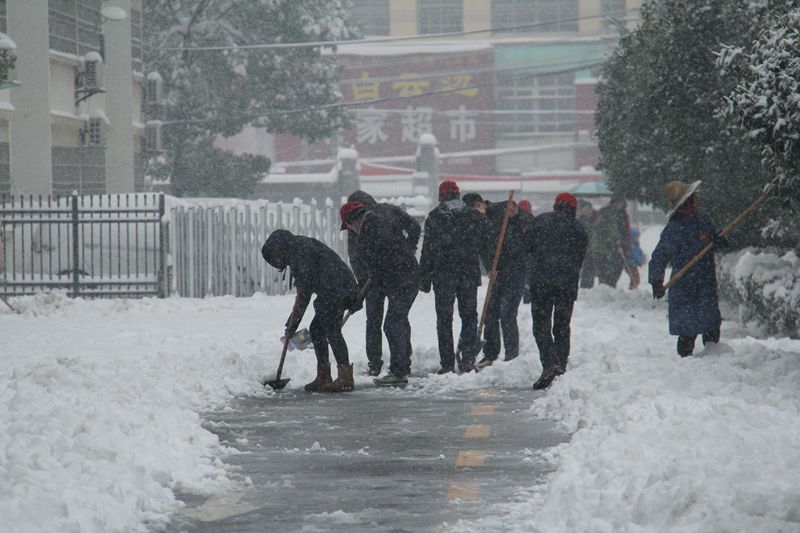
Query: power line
[(360, 103), (313, 44)]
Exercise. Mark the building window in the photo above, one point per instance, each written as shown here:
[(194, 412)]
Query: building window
[(373, 15), (541, 105), (440, 16), (136, 40), (3, 23), (75, 26), (535, 16)]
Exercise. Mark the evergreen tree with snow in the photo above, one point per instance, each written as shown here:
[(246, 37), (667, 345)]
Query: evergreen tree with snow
[(765, 104), (658, 116), (208, 93)]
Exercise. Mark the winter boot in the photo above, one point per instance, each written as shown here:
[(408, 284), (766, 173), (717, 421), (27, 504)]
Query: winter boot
[(548, 375), (343, 382), (323, 378), (390, 380), (446, 369)]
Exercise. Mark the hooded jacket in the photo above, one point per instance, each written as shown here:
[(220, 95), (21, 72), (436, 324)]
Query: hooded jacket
[(513, 254), (454, 241), (316, 269), (385, 253), (397, 217)]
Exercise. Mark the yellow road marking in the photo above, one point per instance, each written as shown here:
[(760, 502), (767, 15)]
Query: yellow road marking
[(466, 492), (470, 458), (483, 409), (478, 431), (487, 393)]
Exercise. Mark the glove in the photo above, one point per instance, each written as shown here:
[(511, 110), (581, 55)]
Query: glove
[(425, 285), (658, 291)]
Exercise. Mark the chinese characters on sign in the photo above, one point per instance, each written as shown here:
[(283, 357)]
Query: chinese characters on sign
[(414, 122)]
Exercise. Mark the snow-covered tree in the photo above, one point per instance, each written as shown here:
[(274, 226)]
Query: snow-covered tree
[(216, 92), (766, 99), (658, 114)]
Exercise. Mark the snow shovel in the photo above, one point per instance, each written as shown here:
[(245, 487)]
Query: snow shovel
[(302, 339), (8, 304), (727, 229), (278, 383), (493, 273)]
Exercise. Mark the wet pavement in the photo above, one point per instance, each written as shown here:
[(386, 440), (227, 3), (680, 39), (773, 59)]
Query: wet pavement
[(373, 460)]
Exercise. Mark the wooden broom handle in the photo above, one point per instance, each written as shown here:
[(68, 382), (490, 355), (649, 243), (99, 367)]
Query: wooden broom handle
[(493, 273)]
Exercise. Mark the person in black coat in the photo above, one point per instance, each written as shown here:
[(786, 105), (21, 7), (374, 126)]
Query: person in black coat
[(508, 285), (376, 298), (316, 269), (392, 269), (455, 237), (558, 245)]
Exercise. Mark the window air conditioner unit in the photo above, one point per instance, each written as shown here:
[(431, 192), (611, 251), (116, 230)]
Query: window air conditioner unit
[(151, 143), (94, 133), (154, 89), (89, 81)]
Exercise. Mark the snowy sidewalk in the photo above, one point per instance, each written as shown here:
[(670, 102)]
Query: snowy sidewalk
[(99, 423)]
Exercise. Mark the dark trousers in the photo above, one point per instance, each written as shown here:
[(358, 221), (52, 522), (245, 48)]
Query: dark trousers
[(551, 310), (398, 329), (374, 304), (502, 313), (326, 329), (444, 296), (374, 308), (686, 342), (609, 271)]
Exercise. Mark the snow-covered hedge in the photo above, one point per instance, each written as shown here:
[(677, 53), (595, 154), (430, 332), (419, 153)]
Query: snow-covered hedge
[(765, 287)]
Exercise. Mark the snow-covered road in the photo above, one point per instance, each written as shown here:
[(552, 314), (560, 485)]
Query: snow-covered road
[(100, 423)]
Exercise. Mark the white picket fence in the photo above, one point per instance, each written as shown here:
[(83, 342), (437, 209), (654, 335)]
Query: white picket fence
[(215, 250)]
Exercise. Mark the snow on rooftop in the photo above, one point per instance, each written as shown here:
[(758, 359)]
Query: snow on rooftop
[(6, 42)]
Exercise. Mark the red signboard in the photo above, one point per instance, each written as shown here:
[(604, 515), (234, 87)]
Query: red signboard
[(399, 96)]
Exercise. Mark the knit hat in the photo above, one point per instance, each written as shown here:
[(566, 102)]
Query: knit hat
[(566, 199), (526, 206), (678, 192), (448, 190), (349, 212), (471, 198)]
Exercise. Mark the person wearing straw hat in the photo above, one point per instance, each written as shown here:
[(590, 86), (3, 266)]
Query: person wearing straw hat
[(693, 302)]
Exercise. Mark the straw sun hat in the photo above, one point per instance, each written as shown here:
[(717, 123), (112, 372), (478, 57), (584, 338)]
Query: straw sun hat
[(677, 193)]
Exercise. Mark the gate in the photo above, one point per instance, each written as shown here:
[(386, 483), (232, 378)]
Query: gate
[(90, 246)]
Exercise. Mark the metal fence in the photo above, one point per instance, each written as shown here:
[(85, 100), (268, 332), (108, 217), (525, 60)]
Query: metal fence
[(91, 246), (216, 250)]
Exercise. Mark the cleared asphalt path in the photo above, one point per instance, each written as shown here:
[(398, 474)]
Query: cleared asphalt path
[(374, 459)]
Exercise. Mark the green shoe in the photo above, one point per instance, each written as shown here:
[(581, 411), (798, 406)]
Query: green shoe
[(390, 380)]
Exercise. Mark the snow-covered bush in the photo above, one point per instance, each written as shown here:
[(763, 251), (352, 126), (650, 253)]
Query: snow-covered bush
[(766, 99), (765, 287)]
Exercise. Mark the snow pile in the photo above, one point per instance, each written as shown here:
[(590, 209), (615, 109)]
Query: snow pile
[(765, 287)]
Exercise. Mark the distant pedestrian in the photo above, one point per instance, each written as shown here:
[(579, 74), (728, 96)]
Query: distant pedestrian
[(393, 269), (316, 269), (611, 241), (636, 259), (586, 215), (508, 286), (376, 297), (558, 245), (693, 302), (454, 239)]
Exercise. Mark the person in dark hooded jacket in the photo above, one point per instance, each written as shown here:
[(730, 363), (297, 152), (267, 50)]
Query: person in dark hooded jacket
[(455, 237), (509, 284), (558, 245), (392, 269), (376, 298), (316, 269)]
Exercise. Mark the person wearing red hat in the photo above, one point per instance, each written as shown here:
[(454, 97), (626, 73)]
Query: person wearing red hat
[(393, 269), (455, 237), (375, 300), (558, 245)]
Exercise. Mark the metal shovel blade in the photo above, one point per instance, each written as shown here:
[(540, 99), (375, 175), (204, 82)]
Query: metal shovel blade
[(300, 340), (277, 384)]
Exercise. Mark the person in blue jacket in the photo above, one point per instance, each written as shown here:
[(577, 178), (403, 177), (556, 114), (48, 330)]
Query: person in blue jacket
[(693, 302)]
